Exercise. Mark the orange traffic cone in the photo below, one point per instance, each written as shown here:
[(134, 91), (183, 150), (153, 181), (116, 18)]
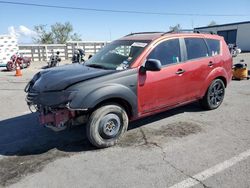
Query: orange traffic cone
[(18, 71)]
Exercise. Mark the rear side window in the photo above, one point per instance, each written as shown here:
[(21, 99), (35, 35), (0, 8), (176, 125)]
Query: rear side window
[(196, 48), (167, 52), (214, 46)]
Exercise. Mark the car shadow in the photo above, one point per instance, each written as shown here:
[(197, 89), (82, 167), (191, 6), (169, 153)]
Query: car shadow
[(5, 70), (23, 135), (45, 67), (193, 107)]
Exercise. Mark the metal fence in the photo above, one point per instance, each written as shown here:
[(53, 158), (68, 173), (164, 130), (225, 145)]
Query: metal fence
[(42, 52)]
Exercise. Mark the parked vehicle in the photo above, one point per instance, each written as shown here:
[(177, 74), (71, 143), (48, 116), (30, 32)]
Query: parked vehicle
[(234, 50), (138, 75), (78, 56), (54, 60), (18, 60)]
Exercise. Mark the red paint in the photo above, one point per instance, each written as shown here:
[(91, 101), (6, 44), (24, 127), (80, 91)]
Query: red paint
[(158, 91), (17, 60), (58, 117)]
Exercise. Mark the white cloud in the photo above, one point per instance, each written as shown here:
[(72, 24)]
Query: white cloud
[(26, 31), (12, 31), (22, 33)]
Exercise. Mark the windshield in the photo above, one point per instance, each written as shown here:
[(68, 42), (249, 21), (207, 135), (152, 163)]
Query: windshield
[(118, 55)]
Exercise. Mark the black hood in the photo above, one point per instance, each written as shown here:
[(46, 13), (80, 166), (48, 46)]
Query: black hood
[(59, 78)]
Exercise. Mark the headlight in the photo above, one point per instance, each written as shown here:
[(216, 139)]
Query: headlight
[(50, 98), (55, 98)]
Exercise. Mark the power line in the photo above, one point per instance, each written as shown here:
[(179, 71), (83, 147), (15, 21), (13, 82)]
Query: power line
[(120, 11)]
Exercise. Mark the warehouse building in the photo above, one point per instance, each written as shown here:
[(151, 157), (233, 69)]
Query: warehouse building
[(233, 33)]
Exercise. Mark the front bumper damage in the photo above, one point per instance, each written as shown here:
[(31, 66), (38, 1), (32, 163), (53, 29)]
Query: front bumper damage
[(58, 120), (53, 108)]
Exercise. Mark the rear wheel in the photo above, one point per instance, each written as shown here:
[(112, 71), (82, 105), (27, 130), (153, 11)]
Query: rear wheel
[(106, 125), (28, 64), (214, 95)]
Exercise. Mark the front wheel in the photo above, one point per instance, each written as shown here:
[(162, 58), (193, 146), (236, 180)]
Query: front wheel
[(106, 125), (214, 95), (10, 66)]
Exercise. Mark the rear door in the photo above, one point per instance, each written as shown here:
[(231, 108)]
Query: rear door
[(198, 64)]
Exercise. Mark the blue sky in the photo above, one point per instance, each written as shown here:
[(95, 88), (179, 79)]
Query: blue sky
[(106, 26)]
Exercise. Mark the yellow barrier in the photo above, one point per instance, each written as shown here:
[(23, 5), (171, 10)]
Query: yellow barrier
[(240, 71)]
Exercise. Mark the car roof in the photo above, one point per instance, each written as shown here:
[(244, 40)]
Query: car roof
[(151, 36)]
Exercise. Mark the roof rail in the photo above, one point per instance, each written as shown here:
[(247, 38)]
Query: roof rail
[(179, 31), (188, 31), (173, 31), (141, 33)]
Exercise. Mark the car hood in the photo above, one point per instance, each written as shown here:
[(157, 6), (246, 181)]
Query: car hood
[(59, 78)]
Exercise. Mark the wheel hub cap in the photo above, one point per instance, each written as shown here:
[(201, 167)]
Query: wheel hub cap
[(216, 95), (110, 125)]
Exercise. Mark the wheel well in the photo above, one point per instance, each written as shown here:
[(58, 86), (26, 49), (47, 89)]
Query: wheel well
[(223, 79), (123, 103)]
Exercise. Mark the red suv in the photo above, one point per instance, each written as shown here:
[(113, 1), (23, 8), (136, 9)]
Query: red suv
[(136, 76)]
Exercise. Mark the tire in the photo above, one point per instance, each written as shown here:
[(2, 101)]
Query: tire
[(10, 66), (28, 64), (22, 65), (106, 125), (214, 95)]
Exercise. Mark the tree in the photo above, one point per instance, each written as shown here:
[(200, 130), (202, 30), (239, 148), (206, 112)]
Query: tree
[(76, 37), (43, 36), (175, 28), (59, 33), (212, 23)]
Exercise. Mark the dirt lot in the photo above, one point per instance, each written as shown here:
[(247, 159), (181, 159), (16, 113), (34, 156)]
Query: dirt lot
[(183, 147)]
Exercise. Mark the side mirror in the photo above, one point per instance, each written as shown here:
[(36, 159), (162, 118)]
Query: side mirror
[(151, 65)]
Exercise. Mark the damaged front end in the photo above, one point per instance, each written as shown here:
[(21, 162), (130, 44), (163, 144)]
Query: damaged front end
[(56, 119), (53, 108)]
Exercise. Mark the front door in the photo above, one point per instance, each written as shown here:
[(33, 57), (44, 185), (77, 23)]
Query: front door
[(160, 89)]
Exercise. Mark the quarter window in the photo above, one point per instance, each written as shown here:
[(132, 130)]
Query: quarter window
[(167, 52), (214, 46), (196, 48)]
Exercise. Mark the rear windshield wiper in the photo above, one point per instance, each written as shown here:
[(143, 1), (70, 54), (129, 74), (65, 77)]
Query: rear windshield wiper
[(96, 66)]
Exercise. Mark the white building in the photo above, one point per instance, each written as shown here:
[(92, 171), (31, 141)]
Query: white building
[(233, 33), (8, 46)]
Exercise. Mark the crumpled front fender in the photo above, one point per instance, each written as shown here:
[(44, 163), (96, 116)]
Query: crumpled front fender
[(104, 93)]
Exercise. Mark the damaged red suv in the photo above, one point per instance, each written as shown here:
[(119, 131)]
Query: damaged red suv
[(138, 75)]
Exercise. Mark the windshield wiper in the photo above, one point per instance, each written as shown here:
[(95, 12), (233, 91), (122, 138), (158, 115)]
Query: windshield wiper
[(96, 66)]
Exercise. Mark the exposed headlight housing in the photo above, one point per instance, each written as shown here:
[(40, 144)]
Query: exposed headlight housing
[(50, 98)]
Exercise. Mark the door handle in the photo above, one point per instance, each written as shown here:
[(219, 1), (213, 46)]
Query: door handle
[(210, 64), (180, 71)]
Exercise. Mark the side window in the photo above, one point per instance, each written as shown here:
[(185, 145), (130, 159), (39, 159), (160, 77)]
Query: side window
[(214, 46), (196, 48), (167, 52)]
